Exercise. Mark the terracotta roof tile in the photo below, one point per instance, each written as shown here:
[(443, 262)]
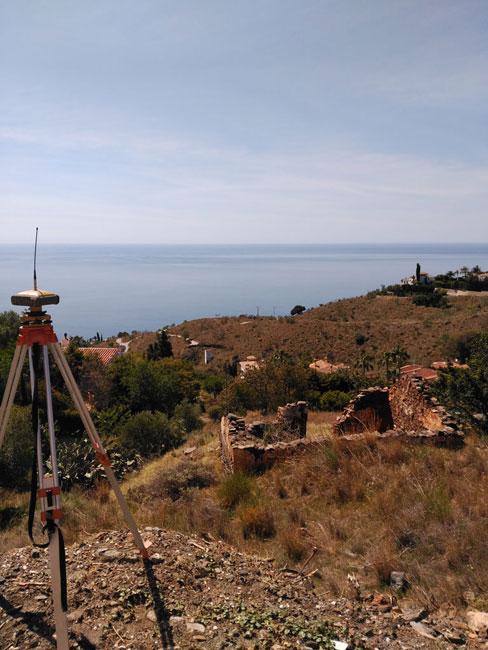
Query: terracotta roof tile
[(104, 354)]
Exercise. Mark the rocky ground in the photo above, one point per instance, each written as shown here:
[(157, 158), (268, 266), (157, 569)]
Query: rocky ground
[(198, 593)]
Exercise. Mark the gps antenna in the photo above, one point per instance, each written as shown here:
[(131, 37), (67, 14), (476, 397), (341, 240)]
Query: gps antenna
[(35, 256)]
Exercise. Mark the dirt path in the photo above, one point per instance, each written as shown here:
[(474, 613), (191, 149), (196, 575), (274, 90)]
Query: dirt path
[(122, 344)]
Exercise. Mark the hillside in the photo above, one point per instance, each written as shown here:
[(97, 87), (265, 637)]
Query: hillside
[(332, 330)]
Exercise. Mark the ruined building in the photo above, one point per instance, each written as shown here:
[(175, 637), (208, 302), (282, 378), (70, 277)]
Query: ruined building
[(406, 410), (256, 446)]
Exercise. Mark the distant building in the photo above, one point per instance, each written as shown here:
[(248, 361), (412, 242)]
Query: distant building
[(249, 364), (425, 278), (429, 374), (105, 355), (207, 356), (326, 367), (445, 364), (483, 277)]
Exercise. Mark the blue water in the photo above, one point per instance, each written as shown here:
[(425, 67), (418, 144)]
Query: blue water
[(122, 287)]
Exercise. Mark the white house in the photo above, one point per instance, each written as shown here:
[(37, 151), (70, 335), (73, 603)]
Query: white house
[(425, 278)]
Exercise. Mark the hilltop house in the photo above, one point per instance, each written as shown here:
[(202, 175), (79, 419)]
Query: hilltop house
[(326, 367), (249, 364), (105, 355), (424, 278)]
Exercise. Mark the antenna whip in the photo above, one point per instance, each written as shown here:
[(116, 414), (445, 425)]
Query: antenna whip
[(35, 256)]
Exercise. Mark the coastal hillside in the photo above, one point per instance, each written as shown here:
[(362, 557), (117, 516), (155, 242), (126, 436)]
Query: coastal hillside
[(340, 330)]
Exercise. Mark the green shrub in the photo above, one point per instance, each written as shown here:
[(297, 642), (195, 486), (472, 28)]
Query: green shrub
[(215, 413), (109, 421), (150, 434), (334, 400), (437, 299), (237, 489), (189, 415), (213, 384)]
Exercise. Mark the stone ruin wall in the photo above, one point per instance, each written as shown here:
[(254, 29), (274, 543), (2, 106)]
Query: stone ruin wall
[(242, 447), (413, 407), (293, 418), (368, 411), (407, 409)]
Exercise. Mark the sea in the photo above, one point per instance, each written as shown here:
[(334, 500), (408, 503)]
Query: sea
[(115, 288)]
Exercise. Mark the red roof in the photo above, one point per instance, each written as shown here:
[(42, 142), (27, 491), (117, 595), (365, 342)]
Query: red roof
[(104, 354), (419, 371)]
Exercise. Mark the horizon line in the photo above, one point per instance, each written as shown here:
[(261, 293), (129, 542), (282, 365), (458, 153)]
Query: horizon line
[(338, 243)]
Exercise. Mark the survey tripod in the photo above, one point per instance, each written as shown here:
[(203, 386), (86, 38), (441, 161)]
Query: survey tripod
[(37, 338)]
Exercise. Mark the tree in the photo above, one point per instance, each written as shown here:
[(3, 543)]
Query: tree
[(230, 367), (387, 361), (297, 309), (189, 415), (161, 348), (417, 273), (464, 270), (365, 362), (213, 384), (465, 391), (144, 385), (277, 381), (399, 357), (9, 327)]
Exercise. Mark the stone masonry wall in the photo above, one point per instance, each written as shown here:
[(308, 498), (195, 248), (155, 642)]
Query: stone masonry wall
[(406, 409), (242, 447), (368, 411), (293, 418), (414, 408)]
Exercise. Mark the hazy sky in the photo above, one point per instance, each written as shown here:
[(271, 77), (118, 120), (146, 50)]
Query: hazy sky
[(193, 121)]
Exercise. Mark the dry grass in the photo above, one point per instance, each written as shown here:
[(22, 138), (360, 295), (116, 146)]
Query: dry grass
[(332, 329), (369, 508)]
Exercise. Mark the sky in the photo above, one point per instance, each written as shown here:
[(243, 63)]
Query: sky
[(244, 121)]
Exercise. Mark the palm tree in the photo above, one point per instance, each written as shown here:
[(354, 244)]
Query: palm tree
[(464, 270), (387, 361), (400, 355), (365, 362)]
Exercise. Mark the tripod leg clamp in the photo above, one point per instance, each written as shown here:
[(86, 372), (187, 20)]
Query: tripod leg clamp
[(103, 458), (48, 502)]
